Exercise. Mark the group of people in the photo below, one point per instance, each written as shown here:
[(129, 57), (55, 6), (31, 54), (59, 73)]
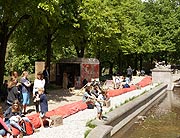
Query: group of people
[(125, 81), (11, 118), (19, 90), (18, 97), (121, 82), (94, 96)]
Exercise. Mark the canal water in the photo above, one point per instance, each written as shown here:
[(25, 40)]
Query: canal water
[(163, 121)]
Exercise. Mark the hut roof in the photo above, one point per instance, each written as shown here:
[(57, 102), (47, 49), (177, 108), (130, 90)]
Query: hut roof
[(80, 60)]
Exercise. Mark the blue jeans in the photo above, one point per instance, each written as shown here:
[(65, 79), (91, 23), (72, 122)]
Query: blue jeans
[(16, 124), (3, 131)]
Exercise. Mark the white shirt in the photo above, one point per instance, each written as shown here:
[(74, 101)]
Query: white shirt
[(38, 84)]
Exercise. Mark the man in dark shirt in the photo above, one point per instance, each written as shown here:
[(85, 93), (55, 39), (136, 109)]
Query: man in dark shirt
[(129, 72), (46, 77)]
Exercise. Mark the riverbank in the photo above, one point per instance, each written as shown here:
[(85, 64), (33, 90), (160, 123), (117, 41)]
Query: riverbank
[(74, 126)]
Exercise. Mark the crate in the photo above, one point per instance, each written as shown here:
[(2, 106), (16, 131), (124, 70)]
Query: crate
[(57, 120)]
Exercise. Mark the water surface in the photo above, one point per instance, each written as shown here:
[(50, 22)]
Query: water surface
[(163, 121)]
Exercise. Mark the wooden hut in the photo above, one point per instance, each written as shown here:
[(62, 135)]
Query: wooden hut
[(71, 72)]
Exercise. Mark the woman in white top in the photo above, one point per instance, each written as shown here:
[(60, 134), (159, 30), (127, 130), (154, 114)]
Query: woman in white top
[(39, 82)]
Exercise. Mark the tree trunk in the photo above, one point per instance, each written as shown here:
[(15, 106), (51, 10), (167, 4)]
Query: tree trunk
[(80, 49), (141, 61), (120, 59), (49, 51), (136, 62), (3, 46), (110, 68), (5, 33)]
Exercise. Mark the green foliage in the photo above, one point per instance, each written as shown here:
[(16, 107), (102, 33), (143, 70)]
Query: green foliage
[(18, 62), (90, 125), (118, 33), (111, 109), (87, 132)]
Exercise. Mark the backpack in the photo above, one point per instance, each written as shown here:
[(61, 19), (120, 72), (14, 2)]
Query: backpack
[(126, 86), (28, 127)]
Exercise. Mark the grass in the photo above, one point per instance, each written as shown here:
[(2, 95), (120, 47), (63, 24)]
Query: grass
[(89, 124), (87, 132), (90, 127)]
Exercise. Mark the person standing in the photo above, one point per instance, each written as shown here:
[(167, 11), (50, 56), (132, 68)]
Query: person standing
[(129, 72), (39, 82), (15, 76), (46, 77), (13, 92), (65, 80), (25, 90), (43, 107)]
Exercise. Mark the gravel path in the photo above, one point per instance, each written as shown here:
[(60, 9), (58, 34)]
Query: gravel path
[(74, 126)]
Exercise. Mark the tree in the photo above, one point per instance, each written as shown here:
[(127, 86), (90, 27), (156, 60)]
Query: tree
[(12, 14)]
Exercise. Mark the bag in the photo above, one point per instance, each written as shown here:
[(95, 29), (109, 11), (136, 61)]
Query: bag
[(28, 127), (90, 106), (126, 86)]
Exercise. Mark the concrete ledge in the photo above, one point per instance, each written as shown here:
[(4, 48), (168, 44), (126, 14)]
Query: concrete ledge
[(121, 116), (101, 131)]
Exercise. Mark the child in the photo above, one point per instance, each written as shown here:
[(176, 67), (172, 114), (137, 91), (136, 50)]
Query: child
[(43, 107), (4, 128), (98, 105)]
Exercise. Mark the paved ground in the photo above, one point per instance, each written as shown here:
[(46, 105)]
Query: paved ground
[(74, 126), (57, 98), (61, 97)]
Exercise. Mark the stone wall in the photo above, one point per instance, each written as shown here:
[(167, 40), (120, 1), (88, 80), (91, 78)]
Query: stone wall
[(39, 66), (163, 76), (122, 118)]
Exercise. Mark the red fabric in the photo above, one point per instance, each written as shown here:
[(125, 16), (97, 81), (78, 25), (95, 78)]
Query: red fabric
[(144, 82), (116, 92), (3, 124), (15, 131), (28, 127), (75, 107), (63, 111), (35, 120)]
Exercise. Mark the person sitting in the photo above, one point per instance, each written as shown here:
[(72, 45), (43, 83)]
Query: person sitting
[(96, 90), (88, 98), (138, 73), (84, 82), (142, 72), (4, 128), (117, 82), (13, 115)]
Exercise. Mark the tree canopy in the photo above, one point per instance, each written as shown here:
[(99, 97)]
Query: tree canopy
[(118, 33)]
